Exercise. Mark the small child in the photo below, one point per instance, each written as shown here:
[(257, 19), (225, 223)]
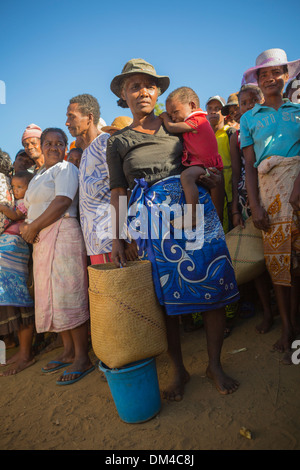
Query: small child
[(19, 183), (248, 96), (74, 156), (6, 194), (200, 146)]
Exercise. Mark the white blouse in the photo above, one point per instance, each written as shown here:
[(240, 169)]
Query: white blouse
[(59, 180)]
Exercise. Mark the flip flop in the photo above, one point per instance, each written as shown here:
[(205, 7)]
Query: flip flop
[(60, 365), (80, 376)]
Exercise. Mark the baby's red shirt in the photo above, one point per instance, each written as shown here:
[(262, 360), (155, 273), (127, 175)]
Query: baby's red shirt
[(200, 145)]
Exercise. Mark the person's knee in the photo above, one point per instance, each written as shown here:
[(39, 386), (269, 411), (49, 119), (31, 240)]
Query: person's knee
[(188, 177)]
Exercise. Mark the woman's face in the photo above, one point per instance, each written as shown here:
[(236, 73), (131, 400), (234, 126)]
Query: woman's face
[(140, 93), (271, 80), (53, 148)]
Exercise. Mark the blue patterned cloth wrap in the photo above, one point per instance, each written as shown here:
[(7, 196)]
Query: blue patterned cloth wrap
[(191, 273), (14, 257)]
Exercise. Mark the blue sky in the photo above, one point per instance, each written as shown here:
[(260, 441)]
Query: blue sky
[(53, 50)]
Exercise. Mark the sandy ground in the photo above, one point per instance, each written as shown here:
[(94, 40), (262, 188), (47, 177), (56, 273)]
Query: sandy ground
[(37, 414)]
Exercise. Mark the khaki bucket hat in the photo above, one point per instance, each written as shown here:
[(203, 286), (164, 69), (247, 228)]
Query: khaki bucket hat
[(134, 66), (232, 101)]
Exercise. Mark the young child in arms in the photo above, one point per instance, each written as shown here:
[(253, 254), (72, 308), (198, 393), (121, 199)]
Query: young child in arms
[(17, 214), (185, 116)]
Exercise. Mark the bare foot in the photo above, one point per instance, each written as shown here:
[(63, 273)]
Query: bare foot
[(287, 358), (224, 384), (175, 391), (14, 358), (20, 365), (284, 342), (9, 341), (265, 326)]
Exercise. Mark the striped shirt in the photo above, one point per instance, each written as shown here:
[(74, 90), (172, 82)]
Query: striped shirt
[(94, 198)]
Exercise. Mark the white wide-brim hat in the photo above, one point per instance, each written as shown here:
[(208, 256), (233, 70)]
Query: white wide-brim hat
[(270, 58)]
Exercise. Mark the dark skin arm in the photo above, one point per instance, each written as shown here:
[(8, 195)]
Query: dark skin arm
[(215, 178), (53, 212), (295, 194), (236, 170), (121, 251), (11, 213), (175, 127), (259, 215)]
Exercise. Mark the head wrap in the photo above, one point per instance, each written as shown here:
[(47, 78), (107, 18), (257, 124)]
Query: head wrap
[(32, 131)]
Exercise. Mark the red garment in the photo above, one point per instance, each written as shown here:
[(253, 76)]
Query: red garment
[(101, 259), (200, 145)]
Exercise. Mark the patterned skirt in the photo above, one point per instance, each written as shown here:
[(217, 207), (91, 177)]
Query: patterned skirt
[(16, 304), (192, 269), (276, 176)]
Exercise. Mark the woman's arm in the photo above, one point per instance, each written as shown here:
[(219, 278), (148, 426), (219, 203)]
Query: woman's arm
[(237, 218), (12, 214), (118, 220), (295, 194), (212, 178), (259, 215), (53, 212)]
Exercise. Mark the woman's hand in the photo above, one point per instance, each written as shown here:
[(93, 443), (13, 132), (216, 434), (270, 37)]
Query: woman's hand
[(118, 255), (260, 218), (237, 219), (29, 232), (211, 179), (131, 251)]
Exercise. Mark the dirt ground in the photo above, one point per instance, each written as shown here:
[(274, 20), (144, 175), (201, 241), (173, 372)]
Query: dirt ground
[(37, 414)]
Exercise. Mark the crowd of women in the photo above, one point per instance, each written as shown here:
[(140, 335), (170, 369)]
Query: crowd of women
[(233, 160)]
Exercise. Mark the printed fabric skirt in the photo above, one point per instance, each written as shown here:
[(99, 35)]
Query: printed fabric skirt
[(192, 269), (276, 176), (16, 304), (60, 277)]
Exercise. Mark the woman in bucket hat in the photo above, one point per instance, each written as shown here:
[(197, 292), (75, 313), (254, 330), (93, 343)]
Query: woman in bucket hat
[(270, 138), (147, 159)]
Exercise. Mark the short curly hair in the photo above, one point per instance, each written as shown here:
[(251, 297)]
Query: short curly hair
[(250, 87), (88, 104), (6, 166), (185, 95), (54, 129)]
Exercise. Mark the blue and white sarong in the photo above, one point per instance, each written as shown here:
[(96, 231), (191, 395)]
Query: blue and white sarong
[(188, 276), (14, 257)]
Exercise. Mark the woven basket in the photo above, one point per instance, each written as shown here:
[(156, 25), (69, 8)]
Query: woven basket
[(245, 246), (127, 321)]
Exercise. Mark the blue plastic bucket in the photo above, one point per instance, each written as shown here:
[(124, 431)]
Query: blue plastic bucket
[(135, 390)]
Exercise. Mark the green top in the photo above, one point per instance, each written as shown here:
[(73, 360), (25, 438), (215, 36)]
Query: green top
[(132, 154)]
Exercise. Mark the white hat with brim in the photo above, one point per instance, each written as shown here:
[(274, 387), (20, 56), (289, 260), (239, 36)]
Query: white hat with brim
[(271, 58), (216, 98)]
